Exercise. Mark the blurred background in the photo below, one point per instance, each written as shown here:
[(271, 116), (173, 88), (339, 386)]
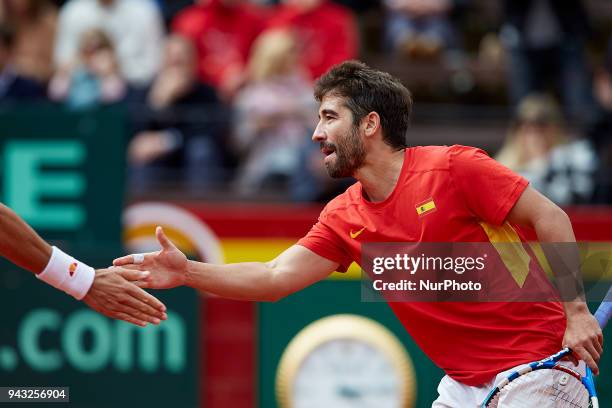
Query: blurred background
[(118, 115)]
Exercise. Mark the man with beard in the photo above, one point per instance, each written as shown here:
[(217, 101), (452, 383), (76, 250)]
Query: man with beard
[(403, 194)]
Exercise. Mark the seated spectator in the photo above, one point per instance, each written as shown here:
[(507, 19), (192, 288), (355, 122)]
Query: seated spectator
[(326, 32), (538, 148), (91, 80), (419, 28), (13, 86), (134, 26), (34, 22), (178, 135), (223, 32), (600, 132), (546, 44), (275, 114)]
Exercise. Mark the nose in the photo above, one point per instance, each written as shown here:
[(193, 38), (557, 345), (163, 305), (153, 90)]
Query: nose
[(318, 135)]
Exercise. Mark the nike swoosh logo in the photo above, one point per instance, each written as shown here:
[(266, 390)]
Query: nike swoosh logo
[(356, 234)]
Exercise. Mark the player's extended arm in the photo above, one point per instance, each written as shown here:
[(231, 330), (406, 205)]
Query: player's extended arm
[(552, 225), (108, 291), (20, 244), (294, 269)]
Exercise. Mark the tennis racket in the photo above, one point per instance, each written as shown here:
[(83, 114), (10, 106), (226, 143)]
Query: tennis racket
[(548, 384)]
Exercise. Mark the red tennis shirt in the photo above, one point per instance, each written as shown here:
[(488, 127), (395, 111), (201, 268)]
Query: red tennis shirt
[(472, 196)]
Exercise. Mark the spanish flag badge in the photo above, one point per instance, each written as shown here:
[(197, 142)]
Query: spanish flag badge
[(426, 206)]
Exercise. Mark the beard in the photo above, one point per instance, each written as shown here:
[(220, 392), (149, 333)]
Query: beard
[(350, 154)]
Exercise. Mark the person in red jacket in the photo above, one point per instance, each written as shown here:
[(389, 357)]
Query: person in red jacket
[(326, 31), (223, 32)]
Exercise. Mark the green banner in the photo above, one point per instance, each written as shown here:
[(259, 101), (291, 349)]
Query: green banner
[(64, 174), (49, 339)]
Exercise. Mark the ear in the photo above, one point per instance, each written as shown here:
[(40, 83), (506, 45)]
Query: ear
[(371, 123)]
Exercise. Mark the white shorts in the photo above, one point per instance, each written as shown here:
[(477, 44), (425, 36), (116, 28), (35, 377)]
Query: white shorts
[(453, 394)]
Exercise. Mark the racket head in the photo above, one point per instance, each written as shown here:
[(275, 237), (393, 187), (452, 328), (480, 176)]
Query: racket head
[(542, 388), (516, 382)]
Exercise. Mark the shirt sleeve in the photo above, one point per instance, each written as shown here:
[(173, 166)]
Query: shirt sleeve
[(489, 189), (323, 241)]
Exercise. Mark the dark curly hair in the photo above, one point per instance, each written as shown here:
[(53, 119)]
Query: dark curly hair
[(366, 90)]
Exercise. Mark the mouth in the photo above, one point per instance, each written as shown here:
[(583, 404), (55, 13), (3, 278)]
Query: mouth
[(329, 151)]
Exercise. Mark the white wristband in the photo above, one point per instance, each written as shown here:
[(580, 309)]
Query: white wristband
[(66, 273)]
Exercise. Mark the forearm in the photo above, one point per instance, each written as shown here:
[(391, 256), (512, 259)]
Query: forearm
[(20, 244), (554, 226), (558, 242), (554, 230), (255, 281)]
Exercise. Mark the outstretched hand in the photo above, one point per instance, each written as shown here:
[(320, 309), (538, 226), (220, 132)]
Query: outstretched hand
[(167, 267), (114, 295)]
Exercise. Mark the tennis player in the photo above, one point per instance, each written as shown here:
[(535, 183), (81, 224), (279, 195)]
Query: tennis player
[(108, 291), (364, 115)]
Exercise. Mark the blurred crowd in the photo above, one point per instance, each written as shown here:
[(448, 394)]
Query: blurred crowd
[(219, 92)]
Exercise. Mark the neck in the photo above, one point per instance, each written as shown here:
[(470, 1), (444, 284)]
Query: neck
[(380, 173)]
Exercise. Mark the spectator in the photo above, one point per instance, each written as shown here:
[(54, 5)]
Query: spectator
[(326, 32), (34, 22), (134, 26), (419, 28), (275, 113), (538, 148), (546, 41), (223, 32), (178, 136), (13, 86), (93, 78), (601, 131)]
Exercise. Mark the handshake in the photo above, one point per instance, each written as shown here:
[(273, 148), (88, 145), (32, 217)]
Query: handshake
[(117, 292)]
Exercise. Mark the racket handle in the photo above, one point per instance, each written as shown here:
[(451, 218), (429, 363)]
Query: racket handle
[(588, 382), (595, 402), (604, 311)]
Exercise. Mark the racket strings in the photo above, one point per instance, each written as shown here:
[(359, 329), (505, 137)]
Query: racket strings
[(560, 395), (542, 389)]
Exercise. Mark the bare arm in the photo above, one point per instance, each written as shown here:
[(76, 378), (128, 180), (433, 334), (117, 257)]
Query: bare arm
[(550, 222), (294, 269), (20, 244), (552, 225)]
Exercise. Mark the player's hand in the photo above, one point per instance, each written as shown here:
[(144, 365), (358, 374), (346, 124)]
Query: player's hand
[(114, 295), (167, 267), (583, 335)]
